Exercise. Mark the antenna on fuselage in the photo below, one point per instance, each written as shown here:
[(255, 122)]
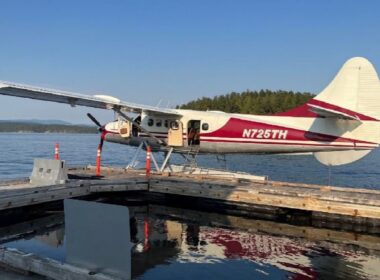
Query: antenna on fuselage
[(159, 103)]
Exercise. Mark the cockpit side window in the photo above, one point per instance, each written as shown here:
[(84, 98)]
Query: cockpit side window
[(150, 122), (174, 125)]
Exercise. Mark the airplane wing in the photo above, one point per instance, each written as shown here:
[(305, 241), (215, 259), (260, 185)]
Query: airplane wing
[(74, 99)]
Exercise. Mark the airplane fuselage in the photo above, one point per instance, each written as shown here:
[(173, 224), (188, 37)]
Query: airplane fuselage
[(219, 132)]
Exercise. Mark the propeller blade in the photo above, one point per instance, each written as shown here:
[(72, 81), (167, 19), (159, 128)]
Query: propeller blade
[(95, 121)]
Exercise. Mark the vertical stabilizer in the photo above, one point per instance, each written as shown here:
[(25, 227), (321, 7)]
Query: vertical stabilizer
[(355, 91)]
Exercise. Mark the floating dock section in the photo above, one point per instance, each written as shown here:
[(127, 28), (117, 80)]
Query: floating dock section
[(352, 203)]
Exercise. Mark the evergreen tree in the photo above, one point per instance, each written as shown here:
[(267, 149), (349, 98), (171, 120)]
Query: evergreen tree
[(251, 102)]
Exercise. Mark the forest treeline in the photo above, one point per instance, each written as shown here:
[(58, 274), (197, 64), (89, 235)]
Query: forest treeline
[(250, 102), (45, 128)]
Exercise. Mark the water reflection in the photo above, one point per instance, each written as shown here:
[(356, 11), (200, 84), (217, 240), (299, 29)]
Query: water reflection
[(172, 243), (98, 237)]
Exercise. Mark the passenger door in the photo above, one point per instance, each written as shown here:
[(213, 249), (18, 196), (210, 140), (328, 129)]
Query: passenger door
[(175, 134)]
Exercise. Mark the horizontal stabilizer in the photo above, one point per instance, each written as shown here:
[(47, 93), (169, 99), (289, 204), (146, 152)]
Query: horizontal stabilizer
[(330, 113), (340, 157)]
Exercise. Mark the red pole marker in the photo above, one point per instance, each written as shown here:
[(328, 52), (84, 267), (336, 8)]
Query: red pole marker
[(56, 151), (98, 159), (147, 166), (146, 234)]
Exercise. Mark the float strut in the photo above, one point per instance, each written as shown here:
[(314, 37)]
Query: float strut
[(167, 157), (132, 164)]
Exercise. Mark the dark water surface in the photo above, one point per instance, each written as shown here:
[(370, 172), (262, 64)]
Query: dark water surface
[(175, 243), (171, 242)]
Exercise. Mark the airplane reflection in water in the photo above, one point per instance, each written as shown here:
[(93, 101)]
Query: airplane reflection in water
[(173, 243)]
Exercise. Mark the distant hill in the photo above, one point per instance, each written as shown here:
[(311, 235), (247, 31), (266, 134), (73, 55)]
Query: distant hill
[(37, 121), (34, 126), (251, 102)]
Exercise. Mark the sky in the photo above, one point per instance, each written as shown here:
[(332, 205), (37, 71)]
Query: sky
[(170, 52)]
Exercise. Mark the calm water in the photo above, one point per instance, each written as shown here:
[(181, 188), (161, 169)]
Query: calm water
[(173, 243), (190, 244), (17, 152)]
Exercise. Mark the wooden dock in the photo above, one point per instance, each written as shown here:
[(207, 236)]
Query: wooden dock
[(354, 203)]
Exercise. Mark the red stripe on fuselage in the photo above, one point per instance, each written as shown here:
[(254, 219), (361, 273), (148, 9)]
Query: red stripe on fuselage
[(302, 111), (288, 143)]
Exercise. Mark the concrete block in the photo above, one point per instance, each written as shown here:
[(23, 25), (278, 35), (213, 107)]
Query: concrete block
[(48, 172)]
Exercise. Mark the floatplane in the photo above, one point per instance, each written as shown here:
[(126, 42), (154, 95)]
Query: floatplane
[(339, 126)]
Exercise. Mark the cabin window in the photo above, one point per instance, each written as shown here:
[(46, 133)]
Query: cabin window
[(166, 123), (158, 123), (205, 126), (150, 122), (174, 125)]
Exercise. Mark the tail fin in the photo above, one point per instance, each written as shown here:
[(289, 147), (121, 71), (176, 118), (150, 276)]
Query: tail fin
[(351, 106), (354, 92)]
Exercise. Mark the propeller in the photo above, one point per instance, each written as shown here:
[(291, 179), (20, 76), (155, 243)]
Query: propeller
[(95, 121), (100, 128)]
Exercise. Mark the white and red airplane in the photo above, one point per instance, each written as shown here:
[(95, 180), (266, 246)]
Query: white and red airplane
[(340, 125)]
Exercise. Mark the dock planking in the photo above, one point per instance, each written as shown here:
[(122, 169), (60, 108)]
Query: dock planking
[(47, 267), (14, 194), (351, 202), (332, 200)]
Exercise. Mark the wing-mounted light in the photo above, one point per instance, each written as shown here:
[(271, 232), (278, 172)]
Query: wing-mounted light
[(110, 101), (108, 98)]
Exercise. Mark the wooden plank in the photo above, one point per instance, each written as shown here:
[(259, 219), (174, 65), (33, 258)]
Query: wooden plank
[(11, 198), (254, 197), (48, 267), (118, 188), (30, 228), (326, 199), (355, 198), (38, 197)]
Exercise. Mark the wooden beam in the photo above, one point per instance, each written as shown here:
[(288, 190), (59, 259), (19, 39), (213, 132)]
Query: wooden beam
[(48, 267)]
